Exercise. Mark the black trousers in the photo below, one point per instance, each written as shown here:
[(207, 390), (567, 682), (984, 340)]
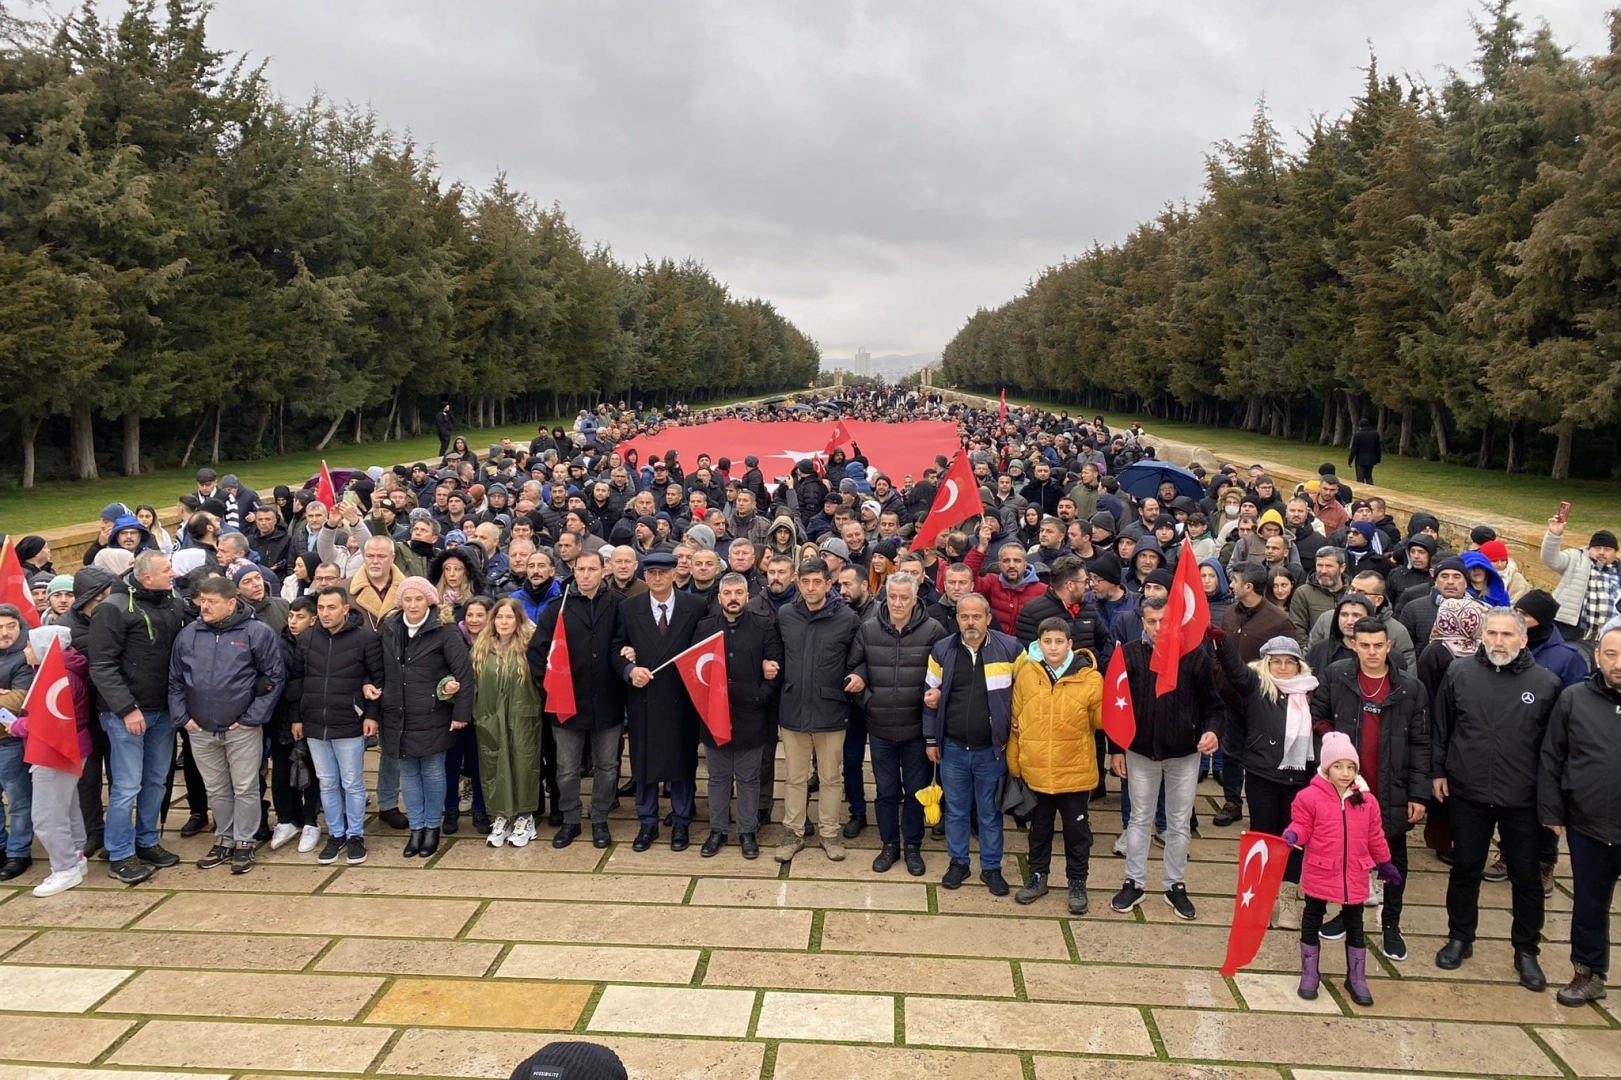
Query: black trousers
[(1311, 922), (1271, 805), (1070, 807), (1595, 866), (1364, 474), (91, 783), (294, 806), (1472, 824)]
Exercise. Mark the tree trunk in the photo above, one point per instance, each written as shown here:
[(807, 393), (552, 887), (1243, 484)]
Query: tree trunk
[(132, 444), (1484, 458), (1561, 455), (416, 420), (1344, 420), (83, 441), (281, 426), (1288, 408), (1382, 423), (28, 429), (1516, 447), (1405, 446), (1438, 425), (331, 431), (214, 455), (1252, 415), (192, 442), (358, 430), (1276, 425), (259, 428), (1330, 407)]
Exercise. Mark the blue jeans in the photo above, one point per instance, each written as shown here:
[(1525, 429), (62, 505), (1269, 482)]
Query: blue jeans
[(17, 790), (899, 770), (422, 781), (970, 779), (464, 749), (855, 752), (340, 765), (138, 767), (388, 782), (1125, 808)]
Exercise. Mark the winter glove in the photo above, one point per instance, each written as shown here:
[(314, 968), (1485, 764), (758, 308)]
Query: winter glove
[(1214, 634), (1291, 838), (1389, 874), (929, 797)]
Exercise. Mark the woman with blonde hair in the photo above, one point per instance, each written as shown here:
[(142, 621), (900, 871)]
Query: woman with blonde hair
[(1279, 757), (506, 713)]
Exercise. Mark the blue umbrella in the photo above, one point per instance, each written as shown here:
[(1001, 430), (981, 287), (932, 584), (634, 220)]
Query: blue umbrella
[(1144, 478)]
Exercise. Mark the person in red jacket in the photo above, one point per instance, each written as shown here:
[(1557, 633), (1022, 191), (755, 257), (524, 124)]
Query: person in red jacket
[(1013, 586), (1338, 825)]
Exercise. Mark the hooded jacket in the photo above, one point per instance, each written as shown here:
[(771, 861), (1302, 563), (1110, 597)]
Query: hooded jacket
[(894, 664), (1558, 655), (1343, 841), (227, 673), (132, 634), (1581, 758), (1087, 630), (1489, 725), (1327, 627), (1222, 598), (16, 676), (1054, 750), (1496, 593)]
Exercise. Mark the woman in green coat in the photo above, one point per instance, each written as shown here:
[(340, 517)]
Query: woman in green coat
[(506, 714)]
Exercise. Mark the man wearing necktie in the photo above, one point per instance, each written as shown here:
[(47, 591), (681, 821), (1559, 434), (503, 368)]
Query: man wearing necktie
[(660, 718)]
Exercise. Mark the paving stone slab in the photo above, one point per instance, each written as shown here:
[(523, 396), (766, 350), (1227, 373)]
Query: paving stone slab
[(503, 885), (494, 1054), (360, 916), (1017, 1025), (481, 1004), (670, 1010), (146, 949), (626, 924), (943, 935), (1105, 985), (602, 963), (863, 1018), (850, 895), (392, 956), (1587, 1051), (831, 971), (197, 1044), (259, 995), (75, 1040), (813, 1061), (56, 989)]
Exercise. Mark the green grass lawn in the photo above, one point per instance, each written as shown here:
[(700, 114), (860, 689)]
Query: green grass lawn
[(70, 502), (1595, 504)]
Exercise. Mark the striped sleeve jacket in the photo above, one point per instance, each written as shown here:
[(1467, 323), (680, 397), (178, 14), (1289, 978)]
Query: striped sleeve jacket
[(1001, 654)]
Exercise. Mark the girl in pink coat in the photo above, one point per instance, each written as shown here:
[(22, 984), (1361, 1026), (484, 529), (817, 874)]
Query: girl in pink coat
[(1337, 823)]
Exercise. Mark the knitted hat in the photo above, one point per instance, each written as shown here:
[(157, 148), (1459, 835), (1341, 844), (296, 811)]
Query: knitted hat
[(1106, 568), (40, 638), (41, 580), (1495, 550), (421, 585), (1540, 605), (29, 546), (1482, 533), (61, 583), (113, 511), (1337, 746), (1603, 538), (571, 1061)]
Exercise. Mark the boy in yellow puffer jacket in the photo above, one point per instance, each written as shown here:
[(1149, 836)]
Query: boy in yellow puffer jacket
[(1057, 705)]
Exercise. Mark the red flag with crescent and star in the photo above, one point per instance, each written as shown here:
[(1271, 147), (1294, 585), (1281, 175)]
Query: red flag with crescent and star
[(1187, 617), (835, 439), (1261, 862), (559, 680), (53, 733), (703, 669), (1119, 717), (955, 502), (326, 492), (14, 584), (1001, 417)]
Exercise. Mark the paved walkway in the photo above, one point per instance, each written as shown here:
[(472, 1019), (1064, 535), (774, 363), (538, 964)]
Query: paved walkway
[(733, 970)]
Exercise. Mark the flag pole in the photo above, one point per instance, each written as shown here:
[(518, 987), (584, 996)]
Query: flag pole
[(683, 652)]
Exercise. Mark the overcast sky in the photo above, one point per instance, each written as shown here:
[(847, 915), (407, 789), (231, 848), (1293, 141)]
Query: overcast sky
[(877, 170)]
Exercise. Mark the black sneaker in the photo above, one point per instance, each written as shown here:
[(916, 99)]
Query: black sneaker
[(1177, 897), (995, 882), (1078, 902), (329, 854), (1333, 929), (356, 848), (1227, 815), (242, 859), (956, 874), (1394, 945), (854, 827), (218, 855), (1033, 890), (130, 871), (750, 845), (914, 862), (157, 856), (887, 857), (1130, 895)]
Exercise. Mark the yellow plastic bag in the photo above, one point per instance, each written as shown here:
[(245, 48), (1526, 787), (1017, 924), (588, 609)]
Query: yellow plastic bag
[(930, 798)]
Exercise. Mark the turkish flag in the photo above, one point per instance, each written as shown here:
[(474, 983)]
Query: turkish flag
[(326, 493), (1119, 717), (14, 584), (53, 732), (837, 438), (1001, 417), (703, 669), (558, 682), (956, 500), (1187, 617), (1261, 861)]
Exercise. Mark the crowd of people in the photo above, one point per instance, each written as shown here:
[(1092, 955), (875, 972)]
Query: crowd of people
[(1358, 680)]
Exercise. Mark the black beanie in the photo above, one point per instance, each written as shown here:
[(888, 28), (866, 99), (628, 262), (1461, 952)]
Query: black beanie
[(571, 1061), (1540, 605), (1482, 534), (1106, 568)]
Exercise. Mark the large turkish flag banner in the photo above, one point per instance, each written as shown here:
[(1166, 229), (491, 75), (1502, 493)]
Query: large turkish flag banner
[(892, 449)]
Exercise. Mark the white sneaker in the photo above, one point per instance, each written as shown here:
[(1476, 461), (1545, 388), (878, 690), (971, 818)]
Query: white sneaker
[(1120, 845), (282, 833), (310, 838), (60, 881), (523, 831), (499, 831), (84, 863)]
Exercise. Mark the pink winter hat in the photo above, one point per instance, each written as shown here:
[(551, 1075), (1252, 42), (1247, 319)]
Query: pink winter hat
[(1337, 746), (421, 585)]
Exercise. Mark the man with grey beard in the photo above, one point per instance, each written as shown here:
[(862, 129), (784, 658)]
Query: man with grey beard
[(1491, 714)]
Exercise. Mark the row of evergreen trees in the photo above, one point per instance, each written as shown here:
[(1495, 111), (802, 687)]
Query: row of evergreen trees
[(1445, 259), (180, 245)]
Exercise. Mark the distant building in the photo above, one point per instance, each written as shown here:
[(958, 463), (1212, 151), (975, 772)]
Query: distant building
[(863, 363)]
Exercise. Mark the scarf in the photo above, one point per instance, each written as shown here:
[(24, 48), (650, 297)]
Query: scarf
[(1297, 719), (1599, 604)]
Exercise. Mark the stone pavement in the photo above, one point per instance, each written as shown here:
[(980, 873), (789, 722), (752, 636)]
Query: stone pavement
[(727, 969)]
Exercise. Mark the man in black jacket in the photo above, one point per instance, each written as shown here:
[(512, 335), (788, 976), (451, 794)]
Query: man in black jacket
[(131, 636), (589, 611), (1386, 714), (1578, 797), (890, 653), (338, 666), (753, 663), (1065, 598), (1491, 714), (1365, 450)]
